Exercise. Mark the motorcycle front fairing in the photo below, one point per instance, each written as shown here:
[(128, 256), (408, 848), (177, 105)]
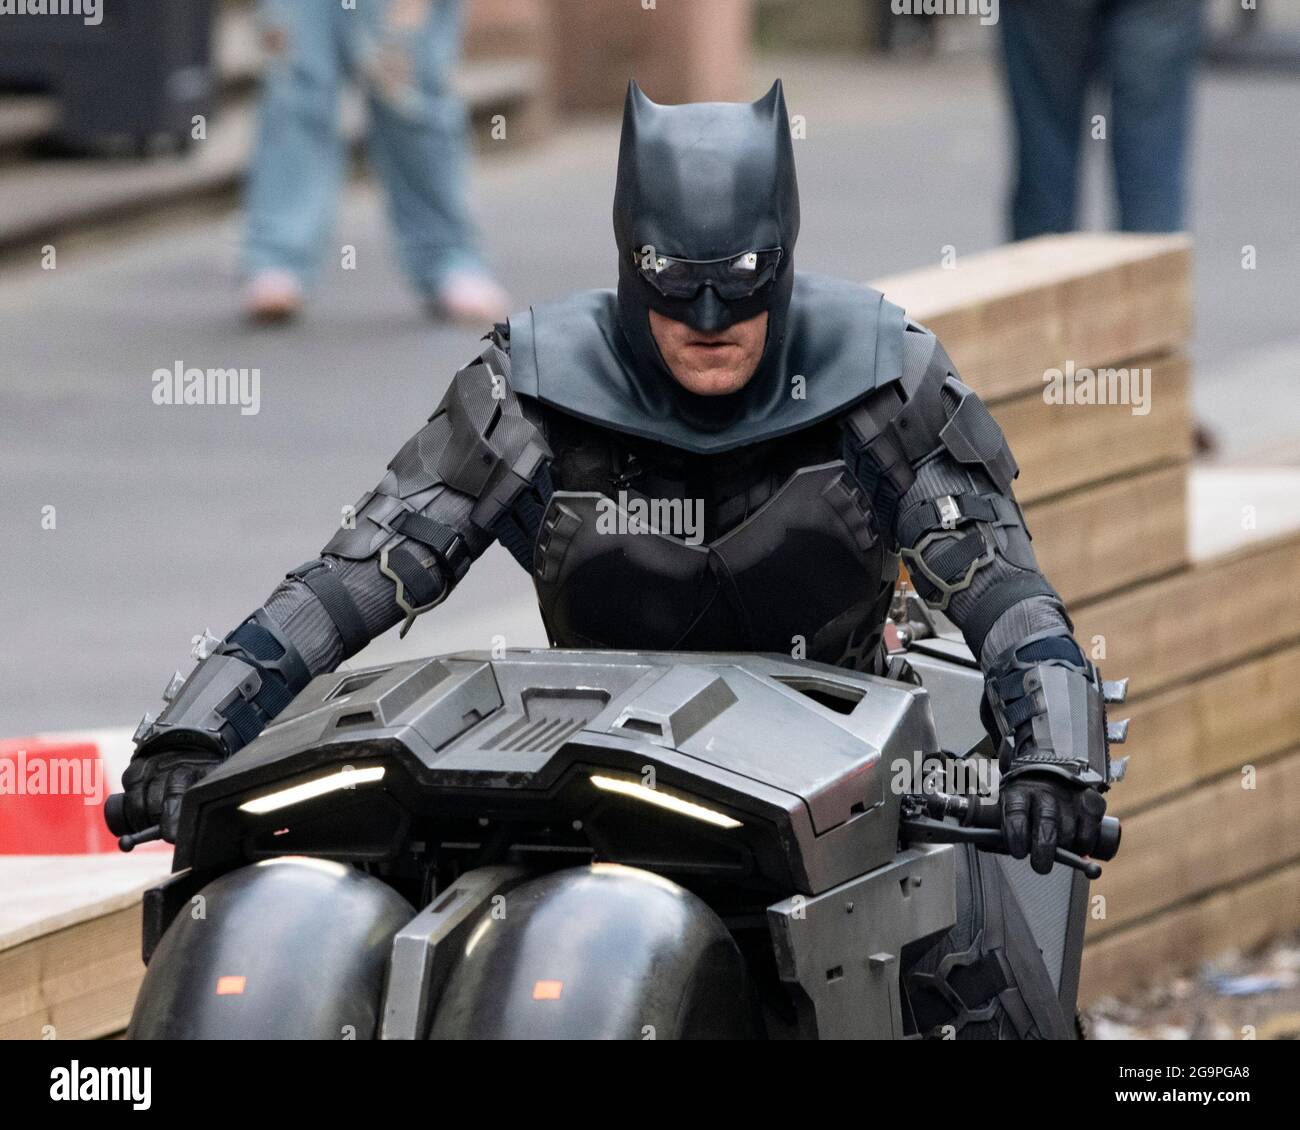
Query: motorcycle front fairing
[(794, 756)]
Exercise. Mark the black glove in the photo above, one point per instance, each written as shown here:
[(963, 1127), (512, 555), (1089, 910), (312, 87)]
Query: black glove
[(154, 783), (1042, 811)]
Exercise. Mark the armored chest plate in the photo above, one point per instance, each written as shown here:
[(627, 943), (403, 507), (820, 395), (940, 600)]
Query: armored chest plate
[(806, 573)]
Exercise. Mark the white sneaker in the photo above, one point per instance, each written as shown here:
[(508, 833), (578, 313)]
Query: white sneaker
[(273, 296), (472, 298)]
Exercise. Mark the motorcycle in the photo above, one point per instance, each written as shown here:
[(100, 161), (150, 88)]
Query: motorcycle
[(592, 844)]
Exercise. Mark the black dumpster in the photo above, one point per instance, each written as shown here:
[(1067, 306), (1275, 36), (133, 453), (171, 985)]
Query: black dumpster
[(133, 70)]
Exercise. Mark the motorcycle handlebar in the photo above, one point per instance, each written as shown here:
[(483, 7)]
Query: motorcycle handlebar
[(987, 813), (980, 823)]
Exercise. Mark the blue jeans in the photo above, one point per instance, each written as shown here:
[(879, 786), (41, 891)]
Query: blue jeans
[(401, 52), (1145, 51)]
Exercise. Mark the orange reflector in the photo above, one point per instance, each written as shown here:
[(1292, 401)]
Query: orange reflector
[(548, 990), (230, 986)]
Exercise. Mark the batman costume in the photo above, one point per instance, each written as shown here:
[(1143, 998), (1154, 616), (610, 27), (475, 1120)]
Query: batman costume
[(853, 445)]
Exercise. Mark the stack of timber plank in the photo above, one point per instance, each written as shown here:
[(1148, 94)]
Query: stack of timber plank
[(1211, 852), (70, 962)]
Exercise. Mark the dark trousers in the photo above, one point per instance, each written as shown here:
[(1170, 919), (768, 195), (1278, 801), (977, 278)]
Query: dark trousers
[(1144, 52)]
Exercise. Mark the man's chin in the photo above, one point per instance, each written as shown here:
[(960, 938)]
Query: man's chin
[(715, 382)]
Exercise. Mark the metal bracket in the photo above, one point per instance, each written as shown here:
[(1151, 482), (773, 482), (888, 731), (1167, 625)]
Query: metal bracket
[(947, 591), (400, 596), (425, 949), (839, 951)]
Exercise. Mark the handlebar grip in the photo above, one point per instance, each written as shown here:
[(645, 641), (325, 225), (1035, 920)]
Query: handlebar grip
[(1107, 846), (115, 814)]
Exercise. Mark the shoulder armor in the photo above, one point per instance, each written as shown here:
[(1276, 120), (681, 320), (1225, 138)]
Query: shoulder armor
[(926, 409), (493, 450), (971, 435), (479, 443)]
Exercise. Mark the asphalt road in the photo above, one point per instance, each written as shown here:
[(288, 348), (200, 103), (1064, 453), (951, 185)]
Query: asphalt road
[(172, 519)]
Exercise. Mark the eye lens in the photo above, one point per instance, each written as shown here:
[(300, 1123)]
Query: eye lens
[(674, 272), (732, 279)]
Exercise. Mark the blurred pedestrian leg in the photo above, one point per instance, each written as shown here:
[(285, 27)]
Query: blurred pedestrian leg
[(1144, 52), (404, 52), (297, 166), (1152, 47), (401, 52), (1047, 53)]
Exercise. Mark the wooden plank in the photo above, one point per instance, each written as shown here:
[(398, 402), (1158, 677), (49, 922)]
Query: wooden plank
[(1061, 447), (70, 941), (1215, 835), (1008, 315), (1219, 611), (80, 981), (1104, 538), (1236, 918), (47, 893), (1203, 729)]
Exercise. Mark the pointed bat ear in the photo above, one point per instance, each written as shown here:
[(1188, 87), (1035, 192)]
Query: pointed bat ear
[(773, 102), (634, 105), (630, 107), (636, 97)]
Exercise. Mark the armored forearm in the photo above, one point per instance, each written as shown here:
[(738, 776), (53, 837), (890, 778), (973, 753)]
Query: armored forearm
[(404, 547), (320, 614), (969, 554), (942, 473), (240, 684)]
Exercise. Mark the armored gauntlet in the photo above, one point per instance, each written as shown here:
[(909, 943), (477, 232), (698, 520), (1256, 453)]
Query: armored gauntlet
[(1045, 706)]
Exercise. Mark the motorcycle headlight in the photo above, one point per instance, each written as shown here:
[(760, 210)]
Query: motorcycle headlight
[(346, 778), (680, 805)]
